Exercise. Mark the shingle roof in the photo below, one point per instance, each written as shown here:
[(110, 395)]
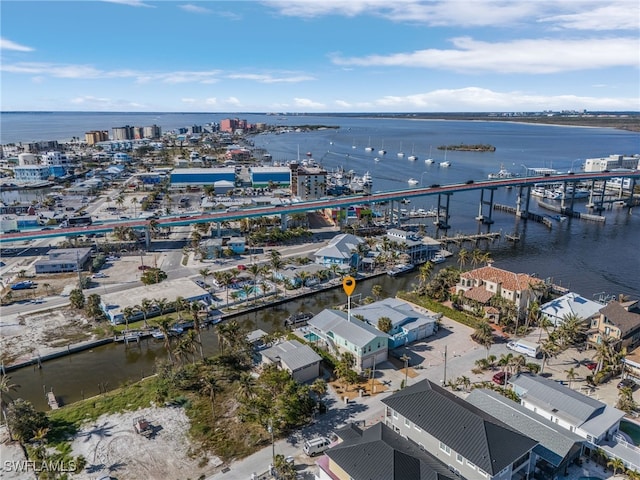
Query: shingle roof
[(355, 331), (293, 354), (381, 454), (508, 280), (625, 320), (477, 436), (555, 443)]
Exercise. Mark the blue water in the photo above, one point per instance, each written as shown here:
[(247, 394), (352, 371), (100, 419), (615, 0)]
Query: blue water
[(590, 258), (254, 291), (312, 337)]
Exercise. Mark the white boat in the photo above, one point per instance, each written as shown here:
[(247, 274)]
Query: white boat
[(368, 148), (376, 159), (400, 269), (367, 179), (438, 258), (413, 157), (538, 191), (382, 151), (400, 153), (502, 173), (446, 163), (412, 181), (157, 334), (429, 160)]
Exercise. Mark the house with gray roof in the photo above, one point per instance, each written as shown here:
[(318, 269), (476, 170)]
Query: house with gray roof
[(585, 416), (557, 447), (407, 324), (380, 453), (619, 322), (468, 440), (567, 305), (341, 250), (343, 333), (298, 359)]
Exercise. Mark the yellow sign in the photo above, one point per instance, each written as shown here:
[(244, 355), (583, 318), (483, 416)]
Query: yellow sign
[(349, 285)]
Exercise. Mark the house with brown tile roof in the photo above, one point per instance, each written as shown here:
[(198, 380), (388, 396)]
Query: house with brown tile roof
[(619, 322), (480, 285)]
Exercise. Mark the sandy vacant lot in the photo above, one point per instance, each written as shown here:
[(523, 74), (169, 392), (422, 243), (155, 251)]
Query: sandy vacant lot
[(27, 336), (112, 447)]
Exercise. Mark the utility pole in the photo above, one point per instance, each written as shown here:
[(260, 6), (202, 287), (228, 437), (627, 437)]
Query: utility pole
[(273, 446), (405, 358), (444, 377), (78, 268)]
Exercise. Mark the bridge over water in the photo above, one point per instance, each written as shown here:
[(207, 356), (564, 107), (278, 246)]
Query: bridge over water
[(442, 192)]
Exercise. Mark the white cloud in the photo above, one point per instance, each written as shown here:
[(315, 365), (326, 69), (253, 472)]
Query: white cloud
[(575, 14), (261, 78), (9, 45), (211, 101), (233, 101), (307, 103), (482, 99), (194, 9), (131, 3), (518, 56), (90, 100), (189, 101)]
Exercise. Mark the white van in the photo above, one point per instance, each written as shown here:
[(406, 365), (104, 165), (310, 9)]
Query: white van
[(316, 446), (526, 348)]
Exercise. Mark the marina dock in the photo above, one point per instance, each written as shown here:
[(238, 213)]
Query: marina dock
[(52, 400)]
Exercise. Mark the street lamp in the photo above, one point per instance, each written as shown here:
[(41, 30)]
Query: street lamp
[(422, 175), (273, 446), (572, 162)]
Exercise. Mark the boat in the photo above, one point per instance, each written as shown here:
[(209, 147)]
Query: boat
[(368, 148), (429, 160), (400, 269), (157, 334), (382, 151), (376, 159), (538, 191), (413, 157), (412, 181), (300, 318), (502, 173), (437, 258), (400, 153), (445, 163)]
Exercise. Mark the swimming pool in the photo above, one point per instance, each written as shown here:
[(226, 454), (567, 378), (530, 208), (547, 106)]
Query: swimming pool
[(632, 429), (312, 337), (253, 292)]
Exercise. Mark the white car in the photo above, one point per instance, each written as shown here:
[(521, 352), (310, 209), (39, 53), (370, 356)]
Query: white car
[(112, 259), (98, 275)]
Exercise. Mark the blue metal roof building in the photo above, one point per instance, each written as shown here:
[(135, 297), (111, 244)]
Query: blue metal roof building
[(262, 176)]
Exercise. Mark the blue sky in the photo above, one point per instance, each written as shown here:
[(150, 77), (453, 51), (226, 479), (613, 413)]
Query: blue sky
[(320, 56)]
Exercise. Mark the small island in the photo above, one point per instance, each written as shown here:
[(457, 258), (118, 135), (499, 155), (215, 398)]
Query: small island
[(462, 147)]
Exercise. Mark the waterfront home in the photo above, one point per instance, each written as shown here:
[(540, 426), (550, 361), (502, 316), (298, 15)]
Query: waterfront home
[(215, 247), (477, 287), (419, 248), (407, 325), (631, 365), (379, 452), (342, 250), (114, 304), (343, 333), (64, 260), (471, 442), (296, 358), (557, 447), (557, 310), (619, 322), (293, 276), (583, 415)]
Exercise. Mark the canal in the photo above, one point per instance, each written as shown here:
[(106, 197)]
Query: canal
[(91, 372)]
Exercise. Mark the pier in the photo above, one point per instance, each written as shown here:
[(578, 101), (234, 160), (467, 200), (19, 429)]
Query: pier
[(571, 213), (526, 215), (52, 401), (475, 238)]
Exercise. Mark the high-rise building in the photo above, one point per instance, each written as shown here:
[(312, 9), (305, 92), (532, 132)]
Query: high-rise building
[(96, 136), (152, 131), (123, 133)]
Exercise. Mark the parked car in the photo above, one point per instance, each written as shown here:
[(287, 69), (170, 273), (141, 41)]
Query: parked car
[(626, 383), (500, 378), (143, 267), (591, 365), (22, 285), (98, 275)]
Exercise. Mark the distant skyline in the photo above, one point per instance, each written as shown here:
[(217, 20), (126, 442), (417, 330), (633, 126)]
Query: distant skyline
[(308, 56)]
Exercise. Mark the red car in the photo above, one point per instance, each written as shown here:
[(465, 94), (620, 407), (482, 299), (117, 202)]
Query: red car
[(591, 365), (500, 378), (242, 267)]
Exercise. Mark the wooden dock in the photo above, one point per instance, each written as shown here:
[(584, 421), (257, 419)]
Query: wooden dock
[(460, 239), (52, 401)]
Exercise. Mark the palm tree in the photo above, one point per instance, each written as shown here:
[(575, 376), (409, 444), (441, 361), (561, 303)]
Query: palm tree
[(128, 314), (246, 386), (204, 273), (211, 386), (425, 274), (376, 291), (463, 257), (164, 324), (616, 464), (5, 387), (571, 375), (144, 307), (196, 308), (483, 334)]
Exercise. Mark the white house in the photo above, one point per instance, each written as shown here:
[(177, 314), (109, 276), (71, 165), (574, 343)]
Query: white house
[(570, 304), (298, 359)]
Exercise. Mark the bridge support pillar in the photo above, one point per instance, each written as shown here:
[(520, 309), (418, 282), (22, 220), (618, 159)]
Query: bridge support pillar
[(442, 219), (630, 201), (283, 221), (147, 236), (486, 219), (524, 194)]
